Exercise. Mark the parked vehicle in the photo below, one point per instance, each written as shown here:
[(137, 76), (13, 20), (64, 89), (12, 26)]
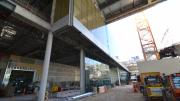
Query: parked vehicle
[(172, 87), (152, 86)]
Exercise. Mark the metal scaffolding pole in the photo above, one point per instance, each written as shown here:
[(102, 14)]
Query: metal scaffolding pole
[(46, 63), (82, 71)]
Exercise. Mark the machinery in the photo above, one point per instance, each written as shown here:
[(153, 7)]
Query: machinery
[(172, 87), (152, 86), (146, 38)]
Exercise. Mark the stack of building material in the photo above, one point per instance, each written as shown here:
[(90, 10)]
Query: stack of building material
[(68, 93), (102, 89)]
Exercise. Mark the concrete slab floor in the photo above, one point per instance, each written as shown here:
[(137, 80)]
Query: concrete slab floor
[(20, 98), (121, 93)]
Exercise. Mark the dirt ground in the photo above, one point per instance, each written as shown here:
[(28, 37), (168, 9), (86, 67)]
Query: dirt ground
[(122, 93)]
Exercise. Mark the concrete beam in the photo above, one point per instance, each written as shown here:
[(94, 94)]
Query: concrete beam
[(120, 15), (68, 58)]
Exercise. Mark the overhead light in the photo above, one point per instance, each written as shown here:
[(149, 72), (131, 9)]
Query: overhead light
[(7, 32)]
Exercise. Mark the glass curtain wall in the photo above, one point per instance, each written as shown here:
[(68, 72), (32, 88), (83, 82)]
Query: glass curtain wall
[(90, 16), (97, 74), (102, 34), (87, 13), (114, 76), (124, 77)]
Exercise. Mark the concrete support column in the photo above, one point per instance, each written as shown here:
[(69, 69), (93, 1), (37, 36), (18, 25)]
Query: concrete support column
[(119, 79), (82, 71), (46, 63)]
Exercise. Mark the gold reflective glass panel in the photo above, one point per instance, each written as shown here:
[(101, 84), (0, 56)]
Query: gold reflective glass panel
[(87, 13), (61, 9)]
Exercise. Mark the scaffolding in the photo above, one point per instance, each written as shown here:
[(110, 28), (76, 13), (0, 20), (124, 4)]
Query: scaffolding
[(147, 41)]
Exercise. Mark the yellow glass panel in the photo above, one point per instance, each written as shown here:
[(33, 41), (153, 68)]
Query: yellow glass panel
[(86, 12), (77, 9), (61, 10)]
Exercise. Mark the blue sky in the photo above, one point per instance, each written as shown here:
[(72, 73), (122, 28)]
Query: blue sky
[(124, 41)]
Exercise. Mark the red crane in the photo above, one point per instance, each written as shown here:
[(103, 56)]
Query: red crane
[(147, 41)]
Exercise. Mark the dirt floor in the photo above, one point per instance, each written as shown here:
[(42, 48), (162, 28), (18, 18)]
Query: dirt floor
[(123, 93)]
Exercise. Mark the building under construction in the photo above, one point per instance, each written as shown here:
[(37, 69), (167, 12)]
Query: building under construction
[(53, 44)]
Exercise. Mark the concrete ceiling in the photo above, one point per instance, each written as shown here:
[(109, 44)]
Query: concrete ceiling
[(116, 9), (19, 38), (30, 42)]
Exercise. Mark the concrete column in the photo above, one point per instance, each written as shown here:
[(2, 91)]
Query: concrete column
[(82, 71), (119, 76), (46, 63)]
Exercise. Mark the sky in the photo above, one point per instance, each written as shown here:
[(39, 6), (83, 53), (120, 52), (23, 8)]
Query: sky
[(164, 17)]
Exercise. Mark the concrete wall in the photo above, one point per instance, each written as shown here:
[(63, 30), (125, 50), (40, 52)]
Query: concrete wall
[(60, 73), (3, 65), (167, 66), (57, 72), (3, 62)]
